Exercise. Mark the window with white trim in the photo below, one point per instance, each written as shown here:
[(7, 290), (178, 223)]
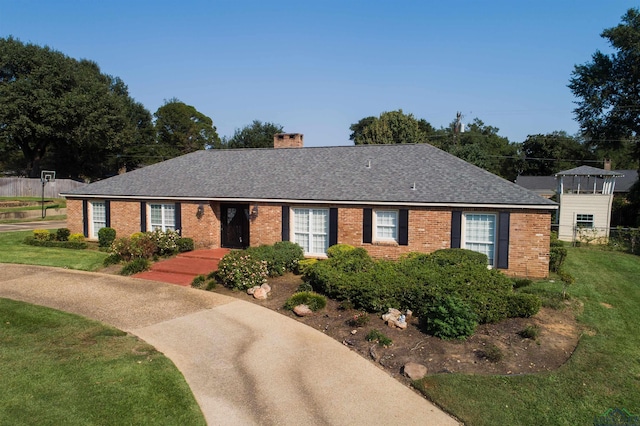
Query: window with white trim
[(162, 217), (386, 225), (480, 234), (98, 217), (311, 230), (584, 220)]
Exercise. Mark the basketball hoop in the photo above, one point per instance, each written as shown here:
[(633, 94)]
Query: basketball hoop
[(46, 176)]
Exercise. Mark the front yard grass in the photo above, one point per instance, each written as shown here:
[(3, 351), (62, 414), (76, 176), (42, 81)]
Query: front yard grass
[(13, 251), (603, 372), (59, 368)]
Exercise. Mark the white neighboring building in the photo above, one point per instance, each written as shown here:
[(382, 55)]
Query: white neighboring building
[(585, 195)]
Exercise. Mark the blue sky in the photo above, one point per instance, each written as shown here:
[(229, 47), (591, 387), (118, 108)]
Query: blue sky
[(317, 67)]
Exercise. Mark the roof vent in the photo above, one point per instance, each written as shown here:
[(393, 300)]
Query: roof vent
[(413, 187), (368, 164)]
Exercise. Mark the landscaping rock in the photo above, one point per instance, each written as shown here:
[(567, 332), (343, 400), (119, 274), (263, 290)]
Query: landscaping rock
[(302, 311), (414, 371), (266, 287), (260, 293), (252, 289), (395, 319)]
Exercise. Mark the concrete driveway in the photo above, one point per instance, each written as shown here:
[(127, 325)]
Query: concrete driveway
[(245, 364)]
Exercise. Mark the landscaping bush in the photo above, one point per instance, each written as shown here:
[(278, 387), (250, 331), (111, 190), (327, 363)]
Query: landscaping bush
[(303, 265), (557, 253), (166, 242), (281, 257), (523, 305), (62, 234), (448, 317), (112, 259), (530, 332), (138, 246), (185, 244), (198, 281), (74, 245), (377, 336), (239, 270), (350, 260), (314, 301), (42, 234), (359, 320), (304, 287), (204, 282), (339, 249), (105, 237), (457, 256), (135, 266), (77, 237)]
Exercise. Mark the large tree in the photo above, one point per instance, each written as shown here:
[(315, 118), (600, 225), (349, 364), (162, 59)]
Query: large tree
[(608, 89), (182, 129), (389, 128), (255, 135), (64, 114), (553, 152)]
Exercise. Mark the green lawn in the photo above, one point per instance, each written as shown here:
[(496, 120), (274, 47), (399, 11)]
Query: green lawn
[(603, 372), (59, 368), (13, 251)]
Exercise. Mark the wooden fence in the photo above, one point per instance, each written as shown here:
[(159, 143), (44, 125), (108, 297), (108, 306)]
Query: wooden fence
[(29, 187)]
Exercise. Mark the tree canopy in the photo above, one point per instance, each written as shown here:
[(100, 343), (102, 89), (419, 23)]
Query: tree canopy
[(608, 89), (181, 129), (389, 128), (64, 114), (255, 135)]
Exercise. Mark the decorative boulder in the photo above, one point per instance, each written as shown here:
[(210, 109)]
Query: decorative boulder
[(260, 293), (414, 371), (266, 287), (252, 289), (395, 319), (302, 310)]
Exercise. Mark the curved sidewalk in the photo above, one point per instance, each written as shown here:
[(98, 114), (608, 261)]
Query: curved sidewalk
[(245, 364)]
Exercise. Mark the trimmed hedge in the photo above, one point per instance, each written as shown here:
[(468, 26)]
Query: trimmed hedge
[(281, 257), (106, 236), (135, 266), (74, 245), (448, 317), (416, 281)]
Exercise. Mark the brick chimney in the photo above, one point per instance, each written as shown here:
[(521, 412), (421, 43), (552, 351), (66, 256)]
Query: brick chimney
[(607, 164), (287, 140)]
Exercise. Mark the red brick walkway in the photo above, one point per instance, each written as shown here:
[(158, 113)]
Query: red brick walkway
[(183, 268)]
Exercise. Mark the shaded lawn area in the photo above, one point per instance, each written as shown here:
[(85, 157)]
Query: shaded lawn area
[(603, 372), (59, 368), (13, 251)]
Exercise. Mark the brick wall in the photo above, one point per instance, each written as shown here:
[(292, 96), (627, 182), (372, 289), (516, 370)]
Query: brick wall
[(429, 230)]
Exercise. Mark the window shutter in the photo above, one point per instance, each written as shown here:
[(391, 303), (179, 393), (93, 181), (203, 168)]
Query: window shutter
[(107, 213), (333, 226), (285, 223), (178, 217), (403, 227), (367, 230), (456, 229), (143, 217), (503, 241), (85, 218)]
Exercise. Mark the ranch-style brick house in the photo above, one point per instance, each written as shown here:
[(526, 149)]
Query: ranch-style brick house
[(389, 199)]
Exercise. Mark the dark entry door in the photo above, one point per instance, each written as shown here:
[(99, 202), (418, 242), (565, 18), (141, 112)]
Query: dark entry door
[(235, 225)]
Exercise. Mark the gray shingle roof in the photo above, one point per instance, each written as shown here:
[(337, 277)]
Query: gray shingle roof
[(548, 184), (587, 171), (339, 174)]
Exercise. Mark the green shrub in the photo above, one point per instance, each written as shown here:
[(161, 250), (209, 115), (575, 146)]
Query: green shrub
[(521, 282), (303, 265), (346, 305), (185, 244), (166, 242), (62, 234), (492, 353), (77, 237), (304, 287), (42, 234), (281, 257), (352, 260), (74, 245), (377, 336), (557, 255), (240, 271), (448, 317), (567, 279), (523, 305), (337, 250), (135, 266), (112, 259), (530, 332), (314, 301), (106, 236), (138, 246), (359, 320), (199, 281), (457, 256)]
